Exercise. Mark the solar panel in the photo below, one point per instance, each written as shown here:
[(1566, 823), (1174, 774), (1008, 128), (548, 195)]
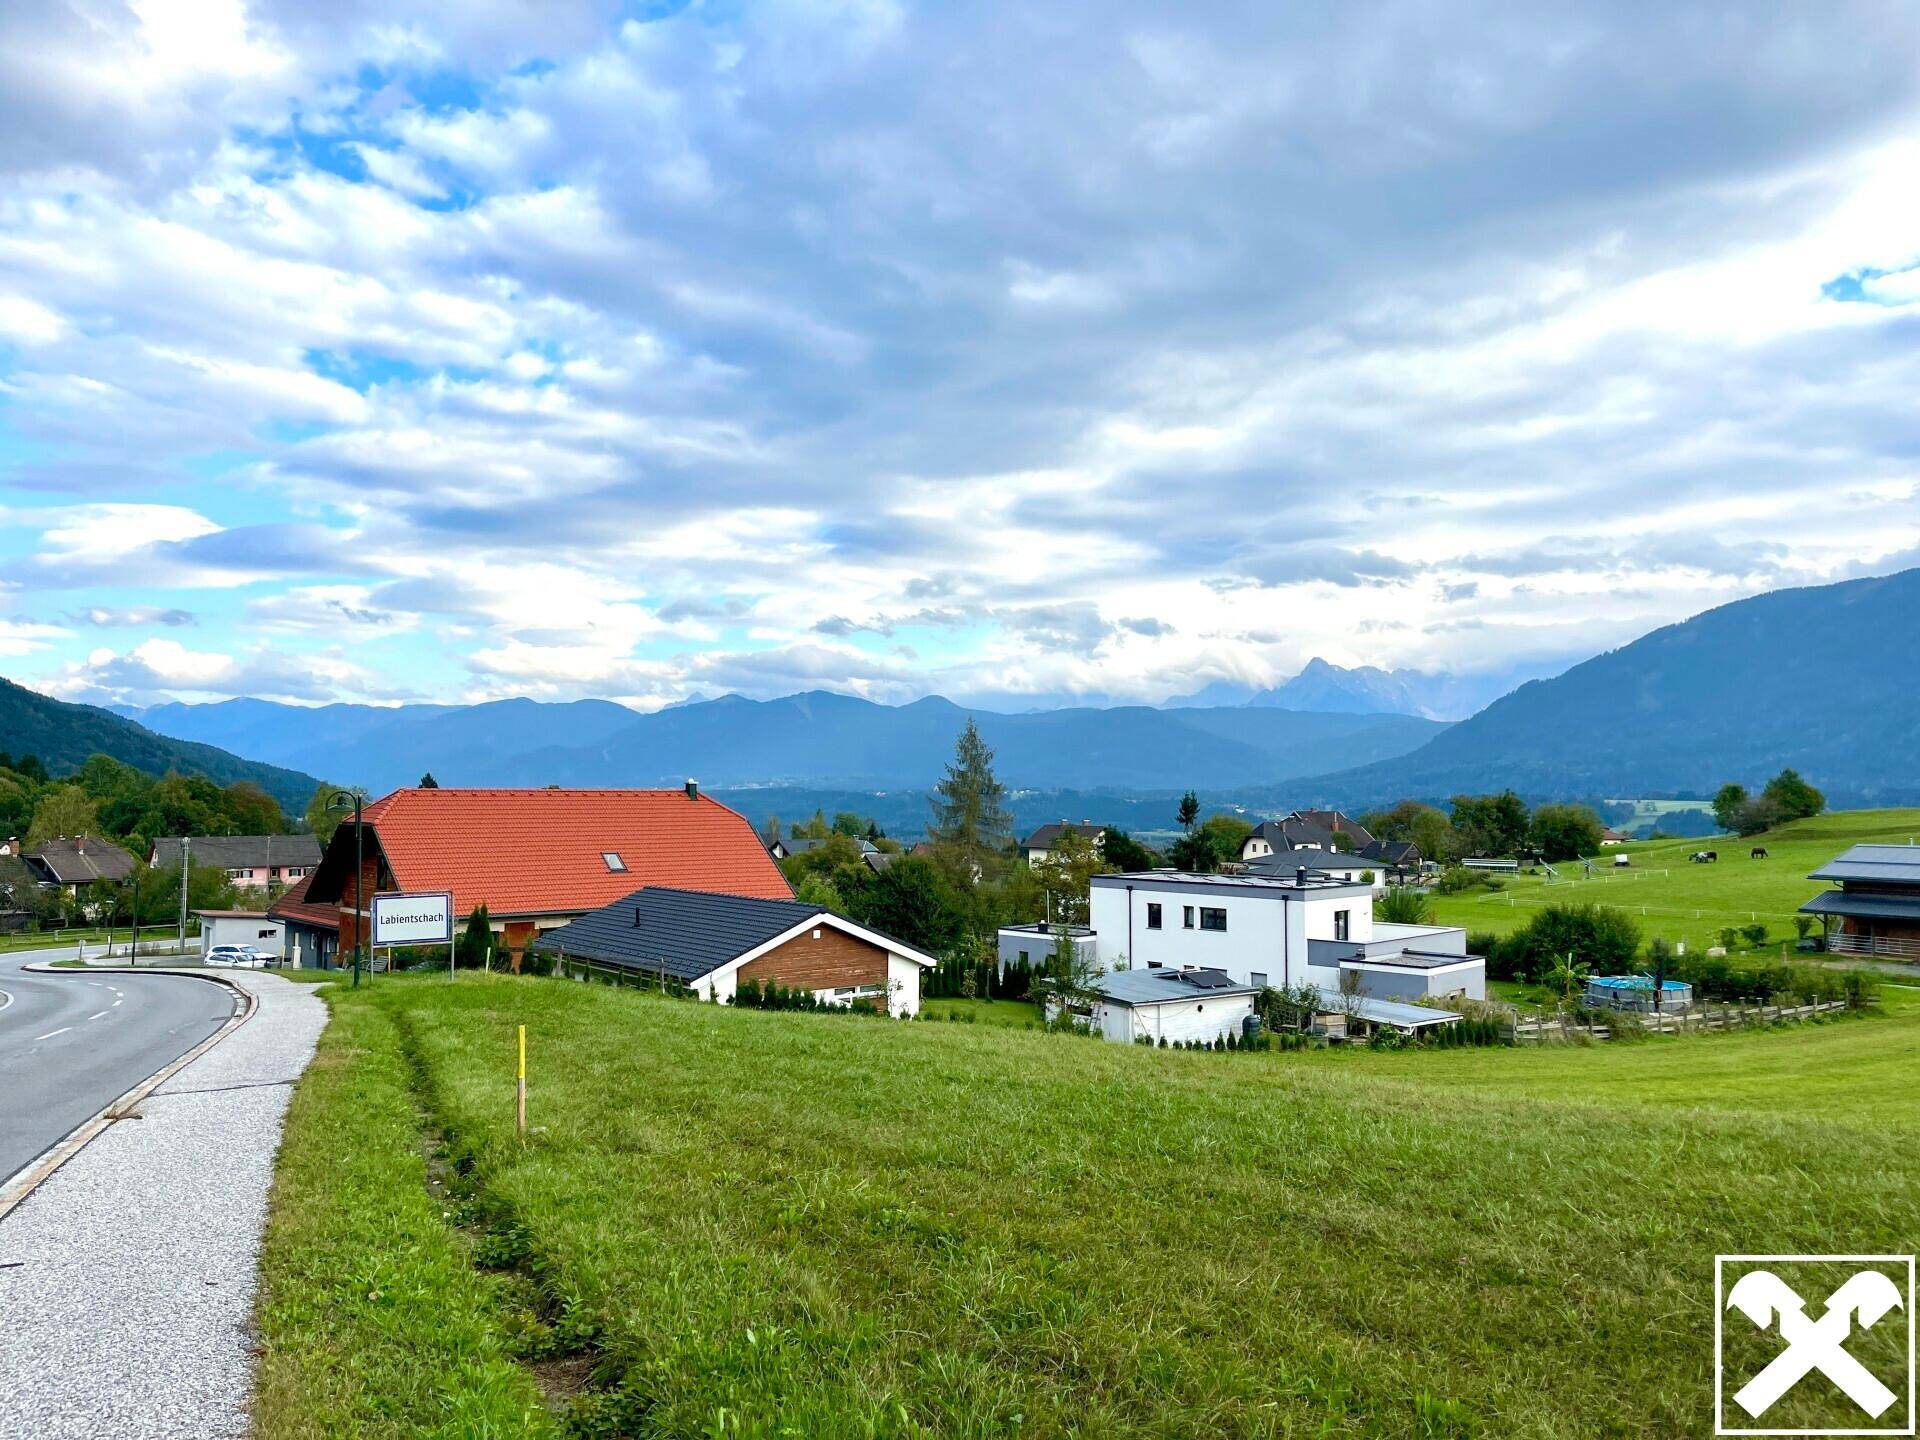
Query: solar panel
[(1206, 979)]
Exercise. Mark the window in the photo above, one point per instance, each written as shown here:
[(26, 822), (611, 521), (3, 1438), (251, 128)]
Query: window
[(1023, 957), (614, 862), (1186, 917), (1259, 980), (1342, 924), (1211, 919), (1153, 916)]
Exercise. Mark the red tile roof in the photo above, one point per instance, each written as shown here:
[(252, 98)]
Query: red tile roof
[(539, 852), (293, 906)]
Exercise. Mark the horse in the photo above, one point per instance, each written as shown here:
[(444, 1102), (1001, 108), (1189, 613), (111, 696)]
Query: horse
[(1759, 852)]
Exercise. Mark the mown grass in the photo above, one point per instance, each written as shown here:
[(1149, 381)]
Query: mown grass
[(802, 1225), (373, 1321), (1669, 896)]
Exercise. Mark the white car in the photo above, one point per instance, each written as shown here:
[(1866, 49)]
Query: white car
[(239, 957)]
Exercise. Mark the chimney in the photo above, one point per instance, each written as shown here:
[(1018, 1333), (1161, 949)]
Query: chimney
[(1300, 876), (693, 789)]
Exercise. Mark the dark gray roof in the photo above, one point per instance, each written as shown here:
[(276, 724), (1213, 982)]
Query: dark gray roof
[(1285, 833), (240, 852), (685, 933), (1159, 987), (691, 933), (801, 847), (1391, 852), (1874, 864), (1414, 959), (82, 861), (1852, 905), (1287, 862), (1051, 831)]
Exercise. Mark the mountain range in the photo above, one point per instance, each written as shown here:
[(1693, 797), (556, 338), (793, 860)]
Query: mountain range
[(817, 738), (1825, 679), (1325, 688), (64, 736)]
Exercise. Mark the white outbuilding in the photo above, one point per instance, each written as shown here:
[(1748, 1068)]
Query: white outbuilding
[(241, 927), (1172, 1005)]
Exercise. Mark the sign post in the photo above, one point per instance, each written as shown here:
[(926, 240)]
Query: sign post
[(425, 918)]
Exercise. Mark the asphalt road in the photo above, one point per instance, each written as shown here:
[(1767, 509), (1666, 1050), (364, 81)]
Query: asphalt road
[(72, 1043)]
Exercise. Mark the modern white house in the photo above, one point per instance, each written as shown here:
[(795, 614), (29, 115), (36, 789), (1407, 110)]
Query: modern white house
[(1308, 927)]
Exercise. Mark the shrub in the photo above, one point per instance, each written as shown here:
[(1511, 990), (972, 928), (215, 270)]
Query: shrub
[(1755, 934), (1599, 937), (1403, 905)]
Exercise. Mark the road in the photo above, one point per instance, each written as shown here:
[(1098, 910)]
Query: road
[(70, 1044)]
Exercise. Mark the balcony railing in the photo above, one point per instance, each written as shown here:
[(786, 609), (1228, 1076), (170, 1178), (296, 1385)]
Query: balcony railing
[(1905, 947)]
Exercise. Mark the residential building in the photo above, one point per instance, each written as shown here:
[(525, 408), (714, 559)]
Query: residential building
[(1333, 864), (713, 943), (1305, 830), (1033, 944), (1307, 927), (242, 927), (1610, 836), (537, 859), (1038, 847), (72, 864), (1876, 910), (251, 862), (1177, 1006)]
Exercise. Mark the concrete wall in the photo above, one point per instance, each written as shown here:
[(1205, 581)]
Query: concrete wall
[(1264, 930), (1038, 946), (1385, 984)]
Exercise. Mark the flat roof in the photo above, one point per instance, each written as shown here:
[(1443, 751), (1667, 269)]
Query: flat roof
[(1888, 864), (1210, 879), (233, 914), (1040, 927), (1384, 1012), (1413, 960)]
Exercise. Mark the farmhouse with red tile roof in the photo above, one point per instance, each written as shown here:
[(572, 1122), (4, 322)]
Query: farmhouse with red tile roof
[(535, 858)]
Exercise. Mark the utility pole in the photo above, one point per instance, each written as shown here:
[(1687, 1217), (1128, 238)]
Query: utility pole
[(186, 869)]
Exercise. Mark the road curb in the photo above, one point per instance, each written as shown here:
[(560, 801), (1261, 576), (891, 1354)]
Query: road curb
[(89, 1129)]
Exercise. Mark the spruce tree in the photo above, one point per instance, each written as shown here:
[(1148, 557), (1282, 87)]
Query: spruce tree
[(971, 822)]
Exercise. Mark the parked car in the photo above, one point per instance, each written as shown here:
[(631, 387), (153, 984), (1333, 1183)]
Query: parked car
[(238, 957)]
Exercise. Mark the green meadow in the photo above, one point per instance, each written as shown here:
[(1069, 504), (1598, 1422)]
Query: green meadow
[(747, 1223), (1673, 897)]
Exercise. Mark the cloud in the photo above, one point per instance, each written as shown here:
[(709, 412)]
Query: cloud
[(528, 347)]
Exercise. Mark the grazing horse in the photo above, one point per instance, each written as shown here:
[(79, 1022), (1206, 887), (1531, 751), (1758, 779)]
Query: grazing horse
[(1704, 857), (1759, 852)]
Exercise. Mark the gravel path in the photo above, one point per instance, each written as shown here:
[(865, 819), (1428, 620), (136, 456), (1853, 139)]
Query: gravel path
[(127, 1279)]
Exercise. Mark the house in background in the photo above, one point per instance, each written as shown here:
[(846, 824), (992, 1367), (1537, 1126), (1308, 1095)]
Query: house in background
[(252, 862), (1037, 848), (537, 859), (1876, 910), (1307, 928), (1305, 830), (71, 864), (1033, 944), (1610, 836), (714, 943)]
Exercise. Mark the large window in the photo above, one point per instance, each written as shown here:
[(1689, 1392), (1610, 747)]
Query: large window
[(1186, 917), (1212, 919), (1153, 916), (1342, 924)]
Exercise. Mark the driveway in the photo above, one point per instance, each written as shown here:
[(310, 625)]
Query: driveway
[(72, 1043), (127, 1279)]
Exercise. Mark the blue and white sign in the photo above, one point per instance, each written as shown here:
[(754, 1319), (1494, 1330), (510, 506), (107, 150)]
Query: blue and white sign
[(424, 919)]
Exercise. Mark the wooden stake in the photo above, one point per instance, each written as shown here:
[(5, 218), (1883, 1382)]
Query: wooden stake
[(522, 1108)]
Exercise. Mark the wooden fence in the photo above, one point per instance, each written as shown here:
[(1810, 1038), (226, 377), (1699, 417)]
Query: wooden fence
[(1695, 1020)]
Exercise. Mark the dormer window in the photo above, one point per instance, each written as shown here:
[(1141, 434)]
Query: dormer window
[(614, 862)]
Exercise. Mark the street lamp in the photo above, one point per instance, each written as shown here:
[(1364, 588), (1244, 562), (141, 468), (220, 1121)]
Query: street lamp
[(340, 800)]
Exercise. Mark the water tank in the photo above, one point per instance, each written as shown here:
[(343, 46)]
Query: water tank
[(1250, 1027)]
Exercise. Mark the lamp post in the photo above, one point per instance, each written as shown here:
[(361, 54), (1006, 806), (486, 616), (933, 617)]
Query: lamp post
[(339, 800)]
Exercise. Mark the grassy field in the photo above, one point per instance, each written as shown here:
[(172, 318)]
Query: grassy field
[(1682, 901), (742, 1223), (67, 939)]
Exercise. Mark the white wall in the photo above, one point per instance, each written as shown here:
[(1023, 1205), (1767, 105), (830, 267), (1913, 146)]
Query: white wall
[(1266, 934), (1177, 1020), (229, 931), (903, 985)]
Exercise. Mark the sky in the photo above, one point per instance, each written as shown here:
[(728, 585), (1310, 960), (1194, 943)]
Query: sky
[(1029, 353)]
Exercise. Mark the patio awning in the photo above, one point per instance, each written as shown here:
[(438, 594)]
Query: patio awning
[(1855, 906)]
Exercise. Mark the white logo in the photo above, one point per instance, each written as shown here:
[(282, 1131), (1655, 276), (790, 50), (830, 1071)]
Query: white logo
[(1862, 1301)]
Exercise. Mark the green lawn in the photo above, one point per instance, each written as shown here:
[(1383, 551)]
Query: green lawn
[(1016, 1013), (761, 1224), (67, 939), (1682, 901)]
